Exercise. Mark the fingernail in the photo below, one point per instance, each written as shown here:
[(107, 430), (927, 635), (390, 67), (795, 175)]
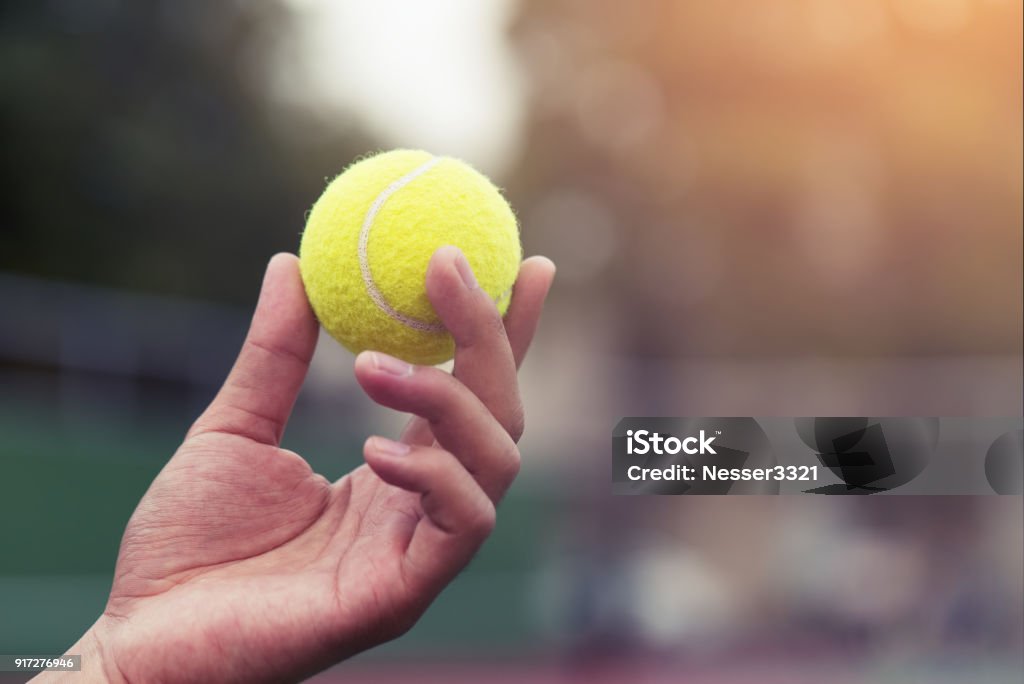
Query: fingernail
[(389, 447), (465, 271), (390, 365)]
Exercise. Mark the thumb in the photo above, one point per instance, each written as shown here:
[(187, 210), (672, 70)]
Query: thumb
[(260, 390)]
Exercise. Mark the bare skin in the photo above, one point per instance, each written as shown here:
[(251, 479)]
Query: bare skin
[(241, 564)]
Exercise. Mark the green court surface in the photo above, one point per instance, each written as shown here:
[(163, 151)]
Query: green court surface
[(68, 487)]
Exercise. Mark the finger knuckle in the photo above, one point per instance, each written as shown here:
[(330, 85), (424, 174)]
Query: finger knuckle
[(484, 518), (486, 327), (495, 324), (511, 463), (517, 423)]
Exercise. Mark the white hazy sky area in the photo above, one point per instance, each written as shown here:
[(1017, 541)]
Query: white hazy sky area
[(437, 75)]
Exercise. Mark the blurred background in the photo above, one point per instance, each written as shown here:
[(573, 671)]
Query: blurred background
[(801, 207)]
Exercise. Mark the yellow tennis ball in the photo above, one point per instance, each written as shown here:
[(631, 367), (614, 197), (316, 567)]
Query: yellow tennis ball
[(370, 236)]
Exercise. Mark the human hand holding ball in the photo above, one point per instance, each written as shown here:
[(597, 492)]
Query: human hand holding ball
[(240, 563)]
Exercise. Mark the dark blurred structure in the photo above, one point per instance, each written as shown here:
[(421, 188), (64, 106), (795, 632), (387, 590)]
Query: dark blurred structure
[(141, 150)]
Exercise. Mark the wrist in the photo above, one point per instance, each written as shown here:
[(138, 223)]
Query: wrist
[(97, 661)]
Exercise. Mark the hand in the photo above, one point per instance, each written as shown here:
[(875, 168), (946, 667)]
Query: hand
[(241, 564)]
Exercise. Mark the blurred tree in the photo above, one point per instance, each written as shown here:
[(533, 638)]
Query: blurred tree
[(143, 148)]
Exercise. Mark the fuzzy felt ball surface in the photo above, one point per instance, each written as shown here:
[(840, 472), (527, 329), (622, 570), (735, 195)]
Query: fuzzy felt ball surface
[(370, 236)]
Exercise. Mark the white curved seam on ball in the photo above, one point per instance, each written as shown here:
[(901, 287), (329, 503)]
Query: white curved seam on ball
[(364, 261)]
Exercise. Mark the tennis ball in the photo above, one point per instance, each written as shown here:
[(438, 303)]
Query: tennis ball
[(370, 236)]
